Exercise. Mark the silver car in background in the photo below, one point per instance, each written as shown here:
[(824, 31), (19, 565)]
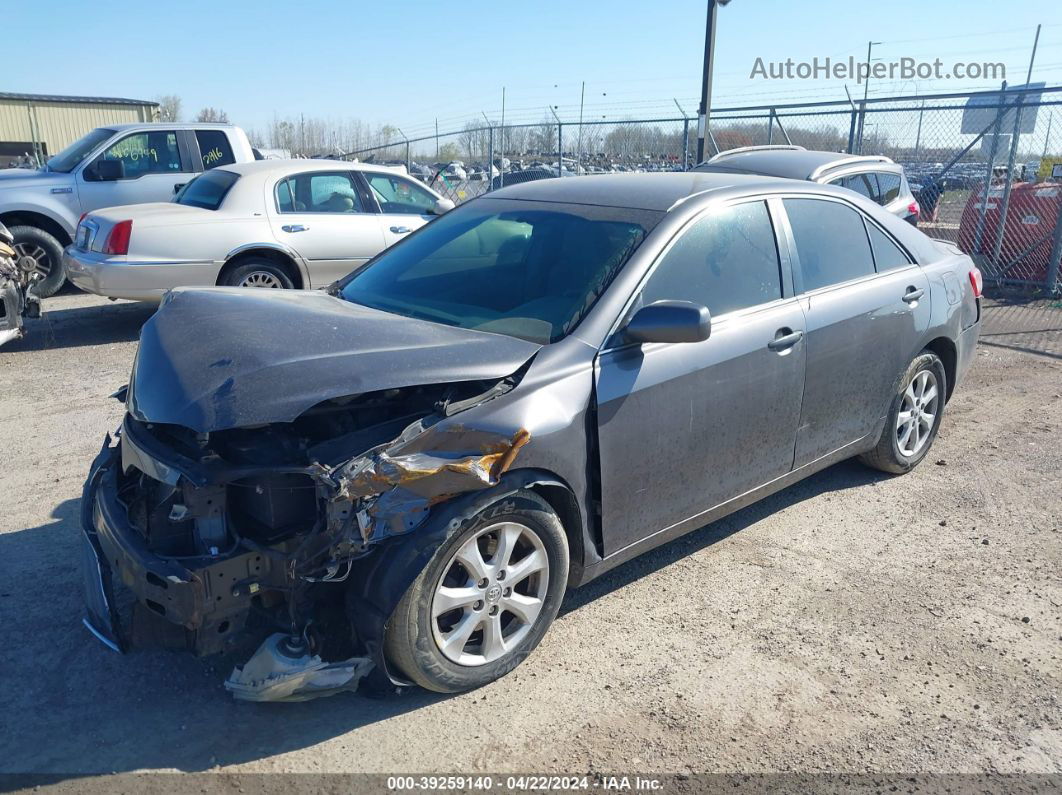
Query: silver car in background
[(877, 177), (269, 223)]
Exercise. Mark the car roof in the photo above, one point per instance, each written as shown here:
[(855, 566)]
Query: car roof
[(297, 165), (657, 191), (791, 163), (170, 125)]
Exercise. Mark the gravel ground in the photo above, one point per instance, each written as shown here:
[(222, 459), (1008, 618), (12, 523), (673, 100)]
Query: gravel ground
[(854, 622)]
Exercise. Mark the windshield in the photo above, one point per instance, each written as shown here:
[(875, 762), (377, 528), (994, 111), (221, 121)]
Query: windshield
[(78, 150), (207, 190), (527, 269)]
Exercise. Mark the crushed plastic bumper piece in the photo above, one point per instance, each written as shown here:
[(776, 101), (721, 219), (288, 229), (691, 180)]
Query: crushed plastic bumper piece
[(283, 671)]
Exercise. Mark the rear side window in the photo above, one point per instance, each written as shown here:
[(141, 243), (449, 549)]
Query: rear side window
[(890, 187), (207, 190), (319, 192), (863, 184), (831, 242), (725, 261), (887, 255), (215, 148)]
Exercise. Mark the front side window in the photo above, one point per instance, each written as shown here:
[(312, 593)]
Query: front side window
[(318, 192), (207, 190), (143, 153), (397, 195), (887, 255), (831, 242), (215, 148), (527, 269), (725, 261), (890, 187)]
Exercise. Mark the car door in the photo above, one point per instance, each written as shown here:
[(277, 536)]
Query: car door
[(864, 322), (683, 427), (153, 162), (324, 217), (405, 206)]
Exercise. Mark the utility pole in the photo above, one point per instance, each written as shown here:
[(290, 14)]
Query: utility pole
[(866, 93), (579, 144), (706, 76), (436, 139)]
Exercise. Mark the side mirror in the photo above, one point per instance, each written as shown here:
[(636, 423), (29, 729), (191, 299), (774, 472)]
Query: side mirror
[(106, 170), (442, 206), (669, 321)]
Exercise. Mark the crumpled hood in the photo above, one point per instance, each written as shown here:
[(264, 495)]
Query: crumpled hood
[(217, 358)]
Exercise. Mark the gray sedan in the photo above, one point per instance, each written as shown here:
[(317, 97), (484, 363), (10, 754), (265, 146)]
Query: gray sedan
[(525, 393)]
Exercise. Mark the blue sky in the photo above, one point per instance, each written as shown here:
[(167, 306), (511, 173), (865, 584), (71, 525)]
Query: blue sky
[(408, 63)]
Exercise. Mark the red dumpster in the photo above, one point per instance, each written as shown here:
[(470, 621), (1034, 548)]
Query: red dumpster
[(1027, 234)]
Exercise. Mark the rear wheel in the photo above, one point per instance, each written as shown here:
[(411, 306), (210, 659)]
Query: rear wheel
[(914, 417), (258, 273), (485, 599), (39, 252)]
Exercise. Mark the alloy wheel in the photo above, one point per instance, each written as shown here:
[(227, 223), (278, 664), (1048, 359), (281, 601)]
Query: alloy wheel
[(490, 594), (32, 258), (918, 411), (261, 279)]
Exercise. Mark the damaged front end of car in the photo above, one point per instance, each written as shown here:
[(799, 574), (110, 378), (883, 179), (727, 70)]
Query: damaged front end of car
[(18, 298), (200, 541)]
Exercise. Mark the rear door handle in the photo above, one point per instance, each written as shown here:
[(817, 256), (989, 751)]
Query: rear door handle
[(912, 295), (400, 230), (785, 341), (294, 228)]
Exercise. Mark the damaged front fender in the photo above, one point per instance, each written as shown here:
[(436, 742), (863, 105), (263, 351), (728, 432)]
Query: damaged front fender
[(398, 483)]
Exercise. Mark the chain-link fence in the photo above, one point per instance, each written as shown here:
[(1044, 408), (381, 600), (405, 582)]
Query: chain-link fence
[(986, 167)]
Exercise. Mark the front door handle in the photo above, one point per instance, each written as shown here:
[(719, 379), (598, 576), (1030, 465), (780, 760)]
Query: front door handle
[(294, 228), (400, 230), (785, 339), (912, 295)]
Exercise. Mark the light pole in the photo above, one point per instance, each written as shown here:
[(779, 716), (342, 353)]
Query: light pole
[(706, 77), (866, 92)]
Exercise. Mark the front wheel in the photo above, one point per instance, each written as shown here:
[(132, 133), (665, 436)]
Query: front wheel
[(485, 599), (914, 417), (37, 251)]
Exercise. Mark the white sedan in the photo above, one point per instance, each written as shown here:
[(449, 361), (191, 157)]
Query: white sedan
[(271, 223)]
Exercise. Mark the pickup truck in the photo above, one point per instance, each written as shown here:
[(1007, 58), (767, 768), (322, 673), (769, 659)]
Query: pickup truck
[(109, 166)]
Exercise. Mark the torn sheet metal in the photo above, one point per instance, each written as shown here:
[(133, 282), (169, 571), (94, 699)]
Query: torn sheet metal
[(400, 481), (277, 673)]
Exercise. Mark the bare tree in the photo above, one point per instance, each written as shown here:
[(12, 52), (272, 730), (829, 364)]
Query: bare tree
[(212, 114), (169, 107)]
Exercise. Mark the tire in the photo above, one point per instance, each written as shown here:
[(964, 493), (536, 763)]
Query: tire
[(43, 247), (415, 639), (257, 273), (897, 451)]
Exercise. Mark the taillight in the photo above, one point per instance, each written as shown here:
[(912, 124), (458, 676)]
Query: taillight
[(976, 282), (913, 209), (82, 218), (118, 239)]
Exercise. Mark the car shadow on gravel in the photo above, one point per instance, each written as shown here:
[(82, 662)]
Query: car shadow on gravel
[(74, 708), (83, 325), (844, 475)]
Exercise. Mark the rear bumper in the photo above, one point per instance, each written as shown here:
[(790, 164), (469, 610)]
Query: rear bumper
[(137, 599), (966, 347), (119, 277)]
